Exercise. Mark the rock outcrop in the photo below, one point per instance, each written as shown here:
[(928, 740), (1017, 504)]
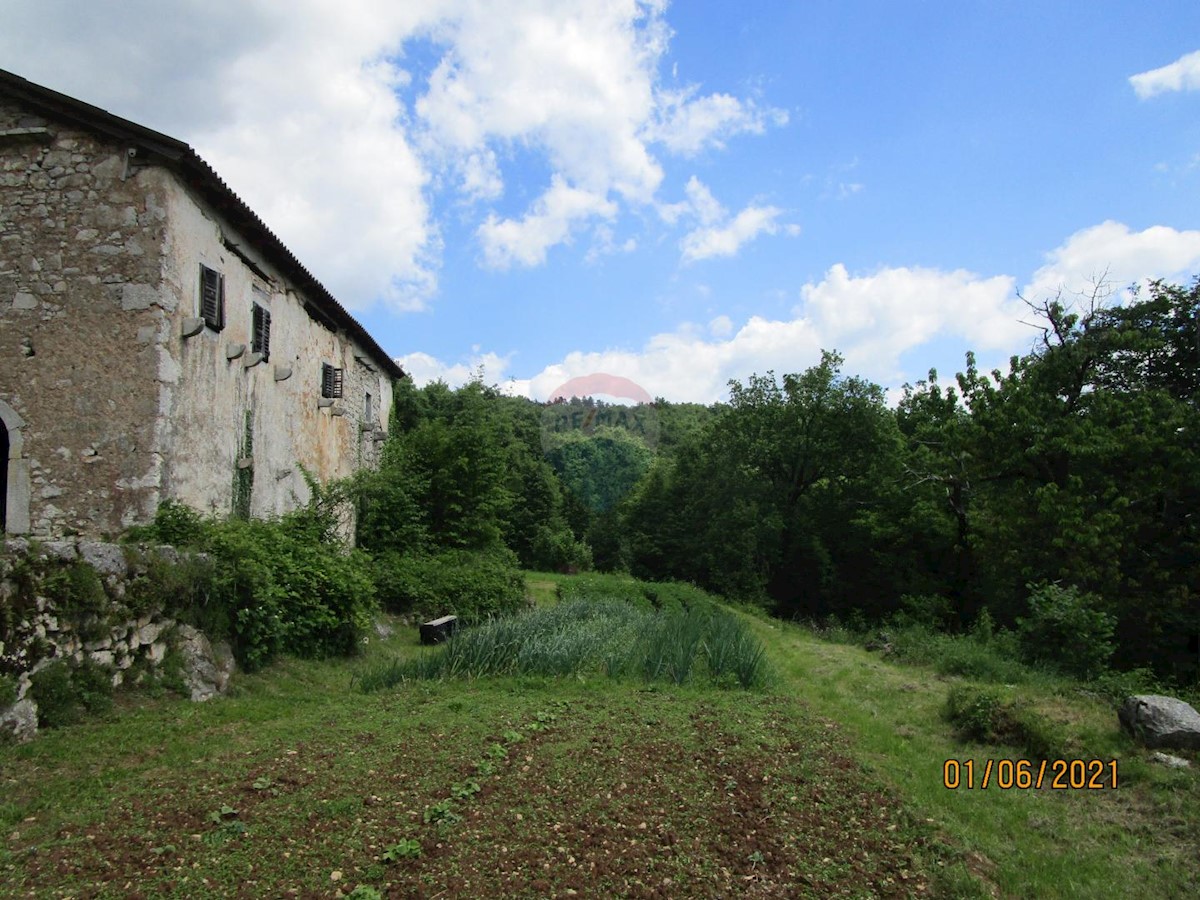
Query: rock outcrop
[(1161, 722)]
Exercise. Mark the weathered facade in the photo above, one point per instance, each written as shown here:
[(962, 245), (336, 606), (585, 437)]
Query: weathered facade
[(156, 339)]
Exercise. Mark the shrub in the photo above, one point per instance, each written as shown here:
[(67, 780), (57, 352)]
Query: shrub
[(985, 716), (932, 611), (972, 655), (1117, 686), (1066, 629), (8, 690), (556, 550), (275, 590), (270, 586), (64, 693), (468, 584), (174, 523)]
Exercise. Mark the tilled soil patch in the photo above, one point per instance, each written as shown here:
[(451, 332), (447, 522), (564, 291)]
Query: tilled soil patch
[(574, 792)]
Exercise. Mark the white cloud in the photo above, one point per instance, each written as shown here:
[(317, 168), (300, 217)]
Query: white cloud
[(727, 240), (481, 179), (876, 319), (873, 319), (549, 222), (308, 112), (1112, 253), (604, 243), (293, 104), (423, 368), (703, 204), (687, 124), (684, 365), (1181, 75), (721, 327)]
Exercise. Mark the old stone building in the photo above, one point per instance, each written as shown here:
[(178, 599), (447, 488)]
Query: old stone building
[(156, 339)]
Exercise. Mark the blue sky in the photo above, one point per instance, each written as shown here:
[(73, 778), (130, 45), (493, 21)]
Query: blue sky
[(677, 194)]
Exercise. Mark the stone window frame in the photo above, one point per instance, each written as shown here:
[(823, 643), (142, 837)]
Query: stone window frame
[(212, 298), (332, 382)]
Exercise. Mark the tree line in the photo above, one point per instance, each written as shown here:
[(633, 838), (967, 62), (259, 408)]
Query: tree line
[(1065, 487)]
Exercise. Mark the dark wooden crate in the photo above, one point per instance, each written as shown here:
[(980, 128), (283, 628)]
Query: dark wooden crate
[(438, 630)]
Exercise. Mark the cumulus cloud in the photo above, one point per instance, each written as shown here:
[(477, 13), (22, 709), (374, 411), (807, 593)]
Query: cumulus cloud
[(357, 117), (875, 319), (1181, 75), (1114, 254), (728, 239), (687, 124), (525, 241), (424, 369)]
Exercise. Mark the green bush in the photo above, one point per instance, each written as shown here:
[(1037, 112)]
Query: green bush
[(275, 590), (470, 585), (1066, 629), (556, 550), (174, 523), (986, 716), (159, 583), (64, 693), (270, 586), (1117, 686), (981, 654)]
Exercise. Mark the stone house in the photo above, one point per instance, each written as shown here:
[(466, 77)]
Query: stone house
[(157, 340)]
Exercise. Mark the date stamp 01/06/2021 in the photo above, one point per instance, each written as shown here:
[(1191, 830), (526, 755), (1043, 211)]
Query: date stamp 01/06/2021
[(1024, 774)]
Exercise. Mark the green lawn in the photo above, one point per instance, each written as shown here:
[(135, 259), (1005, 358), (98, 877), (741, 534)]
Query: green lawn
[(829, 783)]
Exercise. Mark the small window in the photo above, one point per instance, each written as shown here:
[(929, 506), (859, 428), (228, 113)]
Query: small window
[(331, 381), (369, 410), (261, 341), (212, 298)]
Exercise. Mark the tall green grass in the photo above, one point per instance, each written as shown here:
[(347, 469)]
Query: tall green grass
[(593, 635)]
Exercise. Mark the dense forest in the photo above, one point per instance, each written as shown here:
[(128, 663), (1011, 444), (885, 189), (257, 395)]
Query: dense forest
[(1063, 490)]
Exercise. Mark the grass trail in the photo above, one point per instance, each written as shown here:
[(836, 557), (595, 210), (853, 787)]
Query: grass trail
[(828, 783), (1135, 841)]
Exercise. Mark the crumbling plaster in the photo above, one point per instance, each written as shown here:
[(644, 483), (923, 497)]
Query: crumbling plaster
[(209, 393), (99, 269)]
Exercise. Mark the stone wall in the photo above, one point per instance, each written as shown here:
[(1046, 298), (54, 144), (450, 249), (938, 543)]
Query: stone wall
[(80, 266), (103, 605), (111, 398)]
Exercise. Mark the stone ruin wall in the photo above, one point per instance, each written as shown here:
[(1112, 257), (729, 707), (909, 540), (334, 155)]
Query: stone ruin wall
[(128, 647), (81, 321)]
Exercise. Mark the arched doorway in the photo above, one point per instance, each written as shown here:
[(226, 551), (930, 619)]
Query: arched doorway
[(14, 467), (4, 481)]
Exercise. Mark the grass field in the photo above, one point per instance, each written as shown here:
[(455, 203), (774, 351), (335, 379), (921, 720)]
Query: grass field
[(828, 782)]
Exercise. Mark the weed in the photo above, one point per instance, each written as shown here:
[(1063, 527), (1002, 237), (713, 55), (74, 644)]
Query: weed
[(985, 716), (442, 813), (407, 848)]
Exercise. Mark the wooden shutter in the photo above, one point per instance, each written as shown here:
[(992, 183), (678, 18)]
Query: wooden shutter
[(262, 331), (331, 381), (212, 298)]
